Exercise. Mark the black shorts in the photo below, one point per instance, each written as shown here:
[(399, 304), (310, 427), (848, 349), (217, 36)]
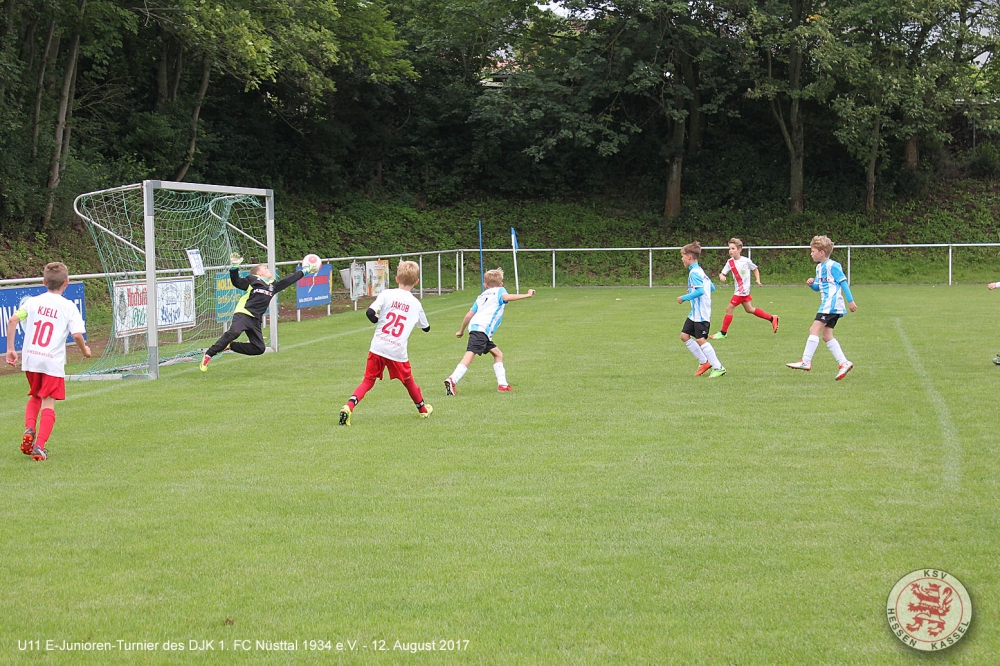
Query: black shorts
[(696, 329), (479, 343), (829, 319)]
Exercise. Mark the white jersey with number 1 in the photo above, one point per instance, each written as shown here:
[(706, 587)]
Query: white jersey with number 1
[(488, 310), (741, 269), (48, 319), (398, 312)]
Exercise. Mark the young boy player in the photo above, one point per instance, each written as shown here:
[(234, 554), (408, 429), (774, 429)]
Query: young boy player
[(260, 288), (48, 319), (395, 313)]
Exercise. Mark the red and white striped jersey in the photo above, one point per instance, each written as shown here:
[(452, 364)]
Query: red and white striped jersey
[(741, 269)]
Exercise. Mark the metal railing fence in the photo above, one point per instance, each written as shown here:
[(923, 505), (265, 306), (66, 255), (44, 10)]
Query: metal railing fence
[(460, 259)]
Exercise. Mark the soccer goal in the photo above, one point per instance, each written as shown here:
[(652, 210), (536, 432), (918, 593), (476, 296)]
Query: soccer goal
[(165, 248)]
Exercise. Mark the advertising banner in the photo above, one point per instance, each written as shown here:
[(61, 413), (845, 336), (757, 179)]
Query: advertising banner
[(378, 276), (226, 296), (11, 299), (314, 290), (174, 304)]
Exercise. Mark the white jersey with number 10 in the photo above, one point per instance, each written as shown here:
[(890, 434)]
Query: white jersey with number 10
[(48, 320), (398, 312), (741, 269)]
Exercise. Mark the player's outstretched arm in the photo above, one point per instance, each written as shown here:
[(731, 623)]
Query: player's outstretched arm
[(12, 323), (722, 277), (372, 315), (993, 285), (288, 281), (240, 283), (507, 298), (465, 322), (78, 339), (756, 276)]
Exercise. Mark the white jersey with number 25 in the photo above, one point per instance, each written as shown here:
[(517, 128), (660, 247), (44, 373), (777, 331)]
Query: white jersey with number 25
[(48, 320), (398, 312)]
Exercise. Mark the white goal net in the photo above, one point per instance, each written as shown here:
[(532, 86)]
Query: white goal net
[(165, 248)]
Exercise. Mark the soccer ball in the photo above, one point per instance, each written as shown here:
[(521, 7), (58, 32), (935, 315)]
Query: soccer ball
[(312, 262)]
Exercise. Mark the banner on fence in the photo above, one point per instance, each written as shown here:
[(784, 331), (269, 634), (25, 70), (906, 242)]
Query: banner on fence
[(226, 296), (358, 284), (314, 290), (174, 305), (11, 299), (378, 276)]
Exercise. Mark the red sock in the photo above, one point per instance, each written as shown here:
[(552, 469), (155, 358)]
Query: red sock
[(757, 312), (48, 420), (415, 395), (31, 412), (360, 392), (726, 321)]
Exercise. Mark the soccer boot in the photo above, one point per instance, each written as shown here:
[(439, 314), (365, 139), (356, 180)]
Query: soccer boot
[(800, 365), (717, 336), (38, 453), (204, 363), (505, 388), (345, 415), (27, 439), (424, 415), (717, 373), (702, 369), (774, 323), (843, 370), (449, 387), (996, 360)]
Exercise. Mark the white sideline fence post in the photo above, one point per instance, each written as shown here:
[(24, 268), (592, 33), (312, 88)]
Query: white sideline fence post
[(439, 273), (949, 264), (650, 268), (421, 275), (848, 265), (553, 269)]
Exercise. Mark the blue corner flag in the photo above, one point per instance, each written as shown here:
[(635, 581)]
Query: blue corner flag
[(513, 239)]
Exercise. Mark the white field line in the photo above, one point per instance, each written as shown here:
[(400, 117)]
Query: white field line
[(952, 444), (193, 366)]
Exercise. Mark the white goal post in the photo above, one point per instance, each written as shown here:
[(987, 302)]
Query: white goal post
[(165, 248)]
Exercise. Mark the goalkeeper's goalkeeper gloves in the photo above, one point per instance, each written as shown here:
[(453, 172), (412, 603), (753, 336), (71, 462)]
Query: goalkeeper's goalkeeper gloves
[(309, 270), (235, 259)]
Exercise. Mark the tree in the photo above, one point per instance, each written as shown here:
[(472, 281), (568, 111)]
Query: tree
[(783, 35)]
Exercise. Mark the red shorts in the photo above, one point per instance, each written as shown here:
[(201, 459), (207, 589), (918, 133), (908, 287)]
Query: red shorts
[(739, 300), (42, 385), (397, 369)]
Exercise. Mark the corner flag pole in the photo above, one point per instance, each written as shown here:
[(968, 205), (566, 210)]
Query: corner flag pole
[(513, 243), (482, 269)]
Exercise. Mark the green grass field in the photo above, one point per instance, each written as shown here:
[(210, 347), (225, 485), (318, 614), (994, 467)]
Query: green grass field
[(613, 509)]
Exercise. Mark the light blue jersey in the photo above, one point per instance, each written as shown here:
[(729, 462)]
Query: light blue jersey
[(699, 292), (488, 310), (831, 283)]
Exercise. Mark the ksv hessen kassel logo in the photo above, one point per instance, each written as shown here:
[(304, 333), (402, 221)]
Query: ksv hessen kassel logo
[(929, 610)]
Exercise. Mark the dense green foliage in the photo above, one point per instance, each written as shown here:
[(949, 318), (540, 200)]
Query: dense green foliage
[(375, 123)]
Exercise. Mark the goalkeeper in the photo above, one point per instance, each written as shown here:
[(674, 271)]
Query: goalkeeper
[(260, 288)]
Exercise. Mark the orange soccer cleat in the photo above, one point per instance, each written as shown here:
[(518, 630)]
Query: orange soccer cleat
[(27, 439), (702, 369)]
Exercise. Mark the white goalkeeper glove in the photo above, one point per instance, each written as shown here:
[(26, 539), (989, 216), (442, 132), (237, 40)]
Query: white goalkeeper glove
[(235, 259), (309, 270)]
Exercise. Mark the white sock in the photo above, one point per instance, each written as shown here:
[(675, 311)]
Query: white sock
[(709, 352), (811, 343), (501, 374), (837, 352), (696, 350), (459, 372)]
